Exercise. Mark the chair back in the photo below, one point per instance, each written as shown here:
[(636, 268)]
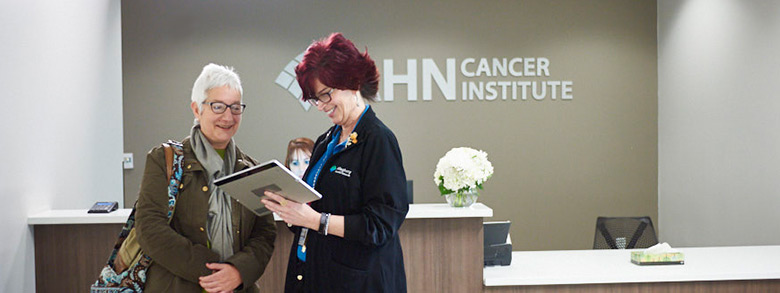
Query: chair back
[(624, 233)]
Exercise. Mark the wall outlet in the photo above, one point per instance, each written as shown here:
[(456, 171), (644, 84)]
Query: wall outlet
[(127, 161)]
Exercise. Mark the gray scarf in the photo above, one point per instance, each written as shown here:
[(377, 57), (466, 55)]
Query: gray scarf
[(220, 223)]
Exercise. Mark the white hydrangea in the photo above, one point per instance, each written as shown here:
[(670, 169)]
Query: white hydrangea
[(462, 168)]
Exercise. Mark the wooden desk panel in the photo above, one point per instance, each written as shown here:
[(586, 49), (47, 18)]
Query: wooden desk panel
[(272, 279), (442, 248), (440, 255), (443, 255), (68, 258)]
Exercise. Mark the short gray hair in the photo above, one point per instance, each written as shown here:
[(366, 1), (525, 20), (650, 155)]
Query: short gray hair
[(214, 76)]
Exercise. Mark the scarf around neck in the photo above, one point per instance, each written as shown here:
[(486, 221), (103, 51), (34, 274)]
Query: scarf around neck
[(220, 222)]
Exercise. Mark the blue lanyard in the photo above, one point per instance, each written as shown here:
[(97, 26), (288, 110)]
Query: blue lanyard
[(334, 147)]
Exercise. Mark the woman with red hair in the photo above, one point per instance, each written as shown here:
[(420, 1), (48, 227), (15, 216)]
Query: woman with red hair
[(347, 241)]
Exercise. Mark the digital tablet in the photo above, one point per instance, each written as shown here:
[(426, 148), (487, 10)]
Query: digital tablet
[(248, 186)]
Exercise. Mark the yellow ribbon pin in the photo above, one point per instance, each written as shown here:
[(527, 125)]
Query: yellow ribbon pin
[(352, 138)]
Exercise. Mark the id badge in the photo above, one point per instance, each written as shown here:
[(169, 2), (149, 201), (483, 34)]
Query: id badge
[(301, 251)]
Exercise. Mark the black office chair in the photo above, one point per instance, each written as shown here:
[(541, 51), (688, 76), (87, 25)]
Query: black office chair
[(624, 233)]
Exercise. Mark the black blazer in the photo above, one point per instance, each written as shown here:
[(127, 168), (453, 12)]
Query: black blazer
[(366, 184)]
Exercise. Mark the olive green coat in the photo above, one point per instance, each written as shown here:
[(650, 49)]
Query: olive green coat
[(178, 251)]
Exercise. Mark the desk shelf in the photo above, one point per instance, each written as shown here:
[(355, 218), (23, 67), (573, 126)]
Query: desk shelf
[(591, 267)]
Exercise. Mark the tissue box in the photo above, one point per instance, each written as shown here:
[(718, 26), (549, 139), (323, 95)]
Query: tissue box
[(641, 258)]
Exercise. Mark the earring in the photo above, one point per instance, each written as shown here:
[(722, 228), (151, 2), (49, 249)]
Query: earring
[(355, 99)]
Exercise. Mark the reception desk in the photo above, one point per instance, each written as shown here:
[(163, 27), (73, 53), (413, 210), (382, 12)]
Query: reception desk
[(442, 248), (72, 246), (706, 269)]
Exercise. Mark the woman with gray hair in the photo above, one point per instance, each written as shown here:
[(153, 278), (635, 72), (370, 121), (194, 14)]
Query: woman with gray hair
[(212, 242)]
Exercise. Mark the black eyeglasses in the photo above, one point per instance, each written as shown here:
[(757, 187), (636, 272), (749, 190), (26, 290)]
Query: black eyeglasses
[(220, 107), (322, 98)]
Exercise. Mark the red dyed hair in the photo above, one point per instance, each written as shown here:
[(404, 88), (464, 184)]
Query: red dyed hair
[(337, 63)]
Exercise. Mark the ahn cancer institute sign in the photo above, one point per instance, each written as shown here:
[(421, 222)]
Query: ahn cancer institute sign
[(480, 79), (483, 79)]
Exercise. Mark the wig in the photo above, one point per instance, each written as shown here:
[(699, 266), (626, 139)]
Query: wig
[(302, 143)]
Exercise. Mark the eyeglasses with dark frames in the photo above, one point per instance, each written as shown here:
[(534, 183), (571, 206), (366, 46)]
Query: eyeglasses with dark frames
[(322, 98), (220, 107)]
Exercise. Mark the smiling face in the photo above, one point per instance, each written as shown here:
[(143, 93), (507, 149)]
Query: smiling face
[(342, 109), (218, 128)]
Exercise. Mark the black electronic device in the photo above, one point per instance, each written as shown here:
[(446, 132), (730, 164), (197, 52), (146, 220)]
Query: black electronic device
[(497, 247), (410, 191), (103, 207), (498, 254)]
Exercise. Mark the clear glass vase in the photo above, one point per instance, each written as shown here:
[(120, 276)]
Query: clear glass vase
[(462, 199)]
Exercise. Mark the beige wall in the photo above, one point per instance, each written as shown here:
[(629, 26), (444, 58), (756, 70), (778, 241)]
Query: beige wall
[(558, 164)]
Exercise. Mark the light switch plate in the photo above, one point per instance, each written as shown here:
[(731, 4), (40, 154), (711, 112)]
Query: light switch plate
[(127, 161)]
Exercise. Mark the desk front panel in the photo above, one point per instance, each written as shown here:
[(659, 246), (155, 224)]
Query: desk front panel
[(68, 258), (440, 255), (442, 248)]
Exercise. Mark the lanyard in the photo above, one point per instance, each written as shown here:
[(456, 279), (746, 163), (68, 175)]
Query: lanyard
[(333, 148)]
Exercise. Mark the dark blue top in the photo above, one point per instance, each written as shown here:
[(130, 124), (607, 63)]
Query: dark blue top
[(334, 147), (364, 182)]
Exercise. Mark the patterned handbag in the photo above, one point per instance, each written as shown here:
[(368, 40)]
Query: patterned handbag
[(126, 267)]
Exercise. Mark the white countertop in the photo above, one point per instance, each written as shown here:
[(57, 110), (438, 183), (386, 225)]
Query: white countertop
[(443, 210), (416, 211), (614, 266), (56, 217)]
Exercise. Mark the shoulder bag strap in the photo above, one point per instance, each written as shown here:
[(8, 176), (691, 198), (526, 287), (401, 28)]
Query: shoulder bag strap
[(173, 160)]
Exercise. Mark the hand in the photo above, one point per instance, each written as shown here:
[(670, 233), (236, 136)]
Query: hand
[(293, 213), (224, 278)]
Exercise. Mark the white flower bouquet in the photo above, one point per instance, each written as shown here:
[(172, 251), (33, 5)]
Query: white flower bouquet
[(462, 170)]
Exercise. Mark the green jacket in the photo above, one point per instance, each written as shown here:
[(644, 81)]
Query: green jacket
[(179, 250)]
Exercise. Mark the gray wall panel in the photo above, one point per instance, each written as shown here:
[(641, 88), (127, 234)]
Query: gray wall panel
[(719, 148)]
